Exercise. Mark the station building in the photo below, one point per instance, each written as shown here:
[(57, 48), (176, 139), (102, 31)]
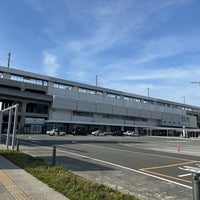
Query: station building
[(48, 102)]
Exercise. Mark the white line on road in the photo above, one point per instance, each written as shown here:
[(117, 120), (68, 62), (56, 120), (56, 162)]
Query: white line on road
[(184, 175)]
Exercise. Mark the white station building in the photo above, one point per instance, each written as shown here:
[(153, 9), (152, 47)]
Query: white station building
[(48, 102)]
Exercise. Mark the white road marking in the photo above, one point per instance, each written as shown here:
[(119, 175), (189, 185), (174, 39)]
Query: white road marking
[(190, 169), (184, 175), (130, 151)]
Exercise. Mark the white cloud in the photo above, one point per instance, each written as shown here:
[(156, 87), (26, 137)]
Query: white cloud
[(125, 44), (170, 45), (50, 64)]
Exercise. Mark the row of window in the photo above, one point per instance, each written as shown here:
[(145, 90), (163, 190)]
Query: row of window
[(28, 80), (62, 86), (85, 90), (89, 91), (169, 122), (108, 116), (132, 99)]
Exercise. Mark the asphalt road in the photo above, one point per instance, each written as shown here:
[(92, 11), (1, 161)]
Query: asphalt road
[(148, 167)]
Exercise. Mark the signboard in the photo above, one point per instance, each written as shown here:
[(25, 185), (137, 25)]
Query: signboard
[(29, 120)]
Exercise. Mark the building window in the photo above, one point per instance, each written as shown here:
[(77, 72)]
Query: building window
[(99, 93), (83, 114), (132, 99), (37, 108), (28, 80), (1, 74), (148, 102), (62, 86), (116, 96), (89, 91), (84, 90)]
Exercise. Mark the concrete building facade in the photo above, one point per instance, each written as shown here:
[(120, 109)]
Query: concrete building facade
[(48, 102)]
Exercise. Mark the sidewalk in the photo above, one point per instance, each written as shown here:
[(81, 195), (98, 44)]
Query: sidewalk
[(17, 184)]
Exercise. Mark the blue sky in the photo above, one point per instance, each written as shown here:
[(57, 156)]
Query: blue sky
[(131, 45)]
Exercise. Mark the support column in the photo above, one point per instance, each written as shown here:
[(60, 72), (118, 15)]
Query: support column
[(8, 128), (1, 121), (22, 119), (14, 127)]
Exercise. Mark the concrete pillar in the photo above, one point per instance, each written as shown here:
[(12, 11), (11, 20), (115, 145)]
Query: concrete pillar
[(1, 120)]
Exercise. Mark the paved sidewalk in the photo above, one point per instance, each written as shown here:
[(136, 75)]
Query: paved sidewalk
[(17, 184)]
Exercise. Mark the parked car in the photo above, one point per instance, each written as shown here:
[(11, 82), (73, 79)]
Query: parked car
[(47, 132), (94, 132), (99, 133), (79, 131), (128, 133), (52, 132), (117, 133), (62, 133), (135, 134), (55, 132), (131, 133), (108, 133)]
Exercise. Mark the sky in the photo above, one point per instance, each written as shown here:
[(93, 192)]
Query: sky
[(135, 46)]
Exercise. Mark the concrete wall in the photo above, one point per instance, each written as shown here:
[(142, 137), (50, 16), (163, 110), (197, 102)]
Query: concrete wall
[(86, 103)]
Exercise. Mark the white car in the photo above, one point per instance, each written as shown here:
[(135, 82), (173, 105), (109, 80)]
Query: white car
[(131, 133), (128, 133), (95, 132), (136, 134), (98, 133), (55, 132)]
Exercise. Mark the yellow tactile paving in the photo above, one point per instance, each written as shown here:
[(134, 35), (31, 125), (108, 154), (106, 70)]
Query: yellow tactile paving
[(15, 191)]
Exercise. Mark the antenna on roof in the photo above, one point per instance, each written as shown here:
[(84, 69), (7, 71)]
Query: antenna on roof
[(9, 55)]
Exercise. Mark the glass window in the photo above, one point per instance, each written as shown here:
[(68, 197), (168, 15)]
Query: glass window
[(113, 95), (132, 99), (28, 80), (1, 74), (62, 86), (86, 90), (99, 93)]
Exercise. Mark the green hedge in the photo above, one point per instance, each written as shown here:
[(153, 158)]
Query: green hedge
[(65, 182)]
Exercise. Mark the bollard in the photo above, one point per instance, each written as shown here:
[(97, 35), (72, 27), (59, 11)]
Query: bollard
[(17, 145), (54, 156), (179, 147), (196, 186)]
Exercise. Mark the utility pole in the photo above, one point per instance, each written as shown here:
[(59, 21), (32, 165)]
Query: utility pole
[(96, 80), (9, 55), (184, 99)]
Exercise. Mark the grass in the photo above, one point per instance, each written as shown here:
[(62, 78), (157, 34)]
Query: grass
[(62, 180)]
